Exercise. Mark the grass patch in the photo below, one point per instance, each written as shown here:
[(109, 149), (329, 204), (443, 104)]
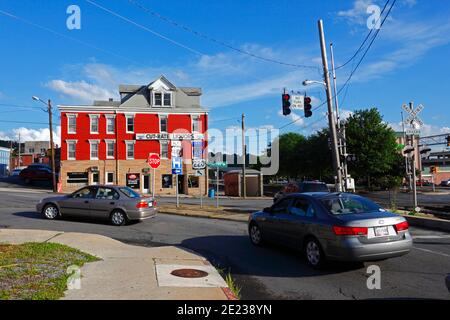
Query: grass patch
[(37, 271), (231, 283)]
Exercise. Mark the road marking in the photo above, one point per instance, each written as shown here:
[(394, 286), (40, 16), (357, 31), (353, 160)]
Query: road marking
[(431, 251)]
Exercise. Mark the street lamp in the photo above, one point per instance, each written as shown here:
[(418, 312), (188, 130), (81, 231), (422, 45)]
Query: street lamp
[(309, 82), (50, 123)]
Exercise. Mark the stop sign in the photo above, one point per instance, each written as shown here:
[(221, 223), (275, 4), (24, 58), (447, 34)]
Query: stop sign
[(154, 160)]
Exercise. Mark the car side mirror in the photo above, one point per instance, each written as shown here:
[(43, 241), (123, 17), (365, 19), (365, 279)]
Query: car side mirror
[(267, 210)]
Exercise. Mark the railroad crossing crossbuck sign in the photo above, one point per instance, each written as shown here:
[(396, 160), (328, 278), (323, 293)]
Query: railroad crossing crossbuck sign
[(413, 115)]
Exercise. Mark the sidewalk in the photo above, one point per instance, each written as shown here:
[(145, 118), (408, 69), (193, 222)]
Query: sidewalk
[(131, 272)]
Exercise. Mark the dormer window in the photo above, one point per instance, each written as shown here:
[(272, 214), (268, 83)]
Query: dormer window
[(162, 99)]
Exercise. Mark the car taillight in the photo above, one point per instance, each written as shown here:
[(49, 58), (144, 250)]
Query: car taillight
[(154, 203), (402, 226), (142, 204), (349, 231)]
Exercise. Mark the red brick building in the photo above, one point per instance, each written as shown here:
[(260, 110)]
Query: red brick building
[(109, 142)]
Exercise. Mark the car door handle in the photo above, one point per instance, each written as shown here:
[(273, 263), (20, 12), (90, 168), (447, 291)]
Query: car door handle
[(86, 201), (112, 202)]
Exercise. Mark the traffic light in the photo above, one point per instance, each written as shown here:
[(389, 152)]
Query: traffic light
[(448, 141), (307, 106), (286, 99)]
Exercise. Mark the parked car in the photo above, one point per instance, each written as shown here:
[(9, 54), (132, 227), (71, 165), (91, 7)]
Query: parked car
[(300, 187), (36, 173), (16, 172), (332, 226), (445, 183), (119, 204)]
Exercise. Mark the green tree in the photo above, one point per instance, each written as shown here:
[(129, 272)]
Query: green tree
[(374, 144), (289, 144)]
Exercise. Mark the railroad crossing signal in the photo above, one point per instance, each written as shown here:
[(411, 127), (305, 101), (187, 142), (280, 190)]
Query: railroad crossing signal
[(413, 114)]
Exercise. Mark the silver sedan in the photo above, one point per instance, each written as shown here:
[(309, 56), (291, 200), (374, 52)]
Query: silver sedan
[(117, 203), (332, 226)]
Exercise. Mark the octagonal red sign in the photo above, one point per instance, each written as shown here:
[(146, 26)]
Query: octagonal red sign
[(154, 160)]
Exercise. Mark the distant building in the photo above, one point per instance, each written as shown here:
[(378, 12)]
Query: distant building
[(441, 162), (32, 152), (5, 154)]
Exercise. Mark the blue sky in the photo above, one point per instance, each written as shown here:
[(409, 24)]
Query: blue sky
[(407, 62)]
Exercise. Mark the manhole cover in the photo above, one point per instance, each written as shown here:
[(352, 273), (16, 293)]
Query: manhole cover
[(189, 273)]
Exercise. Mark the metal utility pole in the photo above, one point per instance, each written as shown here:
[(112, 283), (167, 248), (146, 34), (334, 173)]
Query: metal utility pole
[(341, 138), (331, 119), (406, 158), (217, 187), (19, 150), (52, 148), (176, 182), (244, 154)]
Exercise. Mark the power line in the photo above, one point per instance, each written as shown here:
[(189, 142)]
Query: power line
[(211, 39), (27, 122), (145, 28), (365, 39)]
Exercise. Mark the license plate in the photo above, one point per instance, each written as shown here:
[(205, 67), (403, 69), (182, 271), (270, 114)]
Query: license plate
[(381, 231)]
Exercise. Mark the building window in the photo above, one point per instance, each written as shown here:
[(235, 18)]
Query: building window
[(110, 124), (167, 99), (166, 181), (109, 179), (164, 152), (130, 149), (130, 123), (158, 99), (110, 146), (193, 182), (94, 123), (163, 123), (71, 149), (95, 178), (195, 123), (30, 150), (94, 149), (71, 123), (43, 150)]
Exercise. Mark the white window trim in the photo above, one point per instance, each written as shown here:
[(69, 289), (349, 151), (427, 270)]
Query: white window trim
[(127, 116), (172, 98), (192, 123), (90, 149), (110, 116), (106, 177), (70, 115), (167, 122), (160, 148), (91, 116), (71, 141), (127, 142), (114, 150)]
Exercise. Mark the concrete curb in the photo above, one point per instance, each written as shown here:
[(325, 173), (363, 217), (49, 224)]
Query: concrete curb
[(428, 223), (238, 217)]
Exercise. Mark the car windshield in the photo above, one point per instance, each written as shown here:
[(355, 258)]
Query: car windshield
[(315, 187), (349, 204), (129, 192)]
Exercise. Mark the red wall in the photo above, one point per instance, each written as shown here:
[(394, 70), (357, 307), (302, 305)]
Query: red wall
[(143, 123)]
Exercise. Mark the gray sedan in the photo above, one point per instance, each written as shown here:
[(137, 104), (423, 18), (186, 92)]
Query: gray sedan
[(332, 226), (116, 203)]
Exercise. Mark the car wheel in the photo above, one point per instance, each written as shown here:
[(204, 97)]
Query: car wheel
[(314, 253), (255, 234), (50, 212), (118, 218)]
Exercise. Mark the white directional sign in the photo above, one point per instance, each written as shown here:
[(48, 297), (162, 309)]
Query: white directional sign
[(297, 102), (412, 132)]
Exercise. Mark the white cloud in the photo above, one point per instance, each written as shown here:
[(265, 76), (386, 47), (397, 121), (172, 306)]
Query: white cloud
[(357, 14), (27, 134), (81, 90), (425, 130)]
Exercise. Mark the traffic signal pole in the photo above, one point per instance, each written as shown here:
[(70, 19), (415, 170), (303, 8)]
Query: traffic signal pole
[(331, 118), (52, 148)]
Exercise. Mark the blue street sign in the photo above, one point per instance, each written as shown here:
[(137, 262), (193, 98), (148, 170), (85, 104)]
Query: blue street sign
[(177, 165)]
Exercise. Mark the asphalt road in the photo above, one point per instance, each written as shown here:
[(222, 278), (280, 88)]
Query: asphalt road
[(263, 273)]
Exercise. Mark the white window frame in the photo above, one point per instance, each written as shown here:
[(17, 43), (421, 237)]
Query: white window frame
[(128, 116), (107, 141), (71, 115), (163, 92), (90, 149), (113, 118), (161, 142), (166, 116), (127, 143), (91, 117), (192, 123), (106, 177), (68, 142)]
